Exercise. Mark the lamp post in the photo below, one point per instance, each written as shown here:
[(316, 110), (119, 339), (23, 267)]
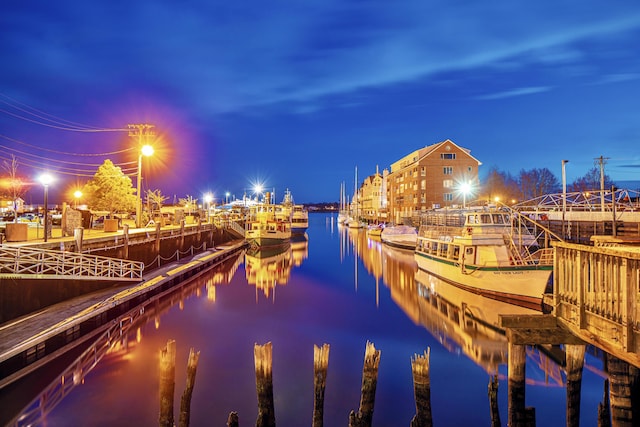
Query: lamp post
[(145, 150), (208, 198), (564, 193), (46, 179), (77, 194), (465, 188), (226, 195)]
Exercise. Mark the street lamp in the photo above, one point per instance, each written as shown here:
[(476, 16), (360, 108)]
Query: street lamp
[(77, 194), (465, 188), (564, 193), (46, 179), (145, 150), (226, 195), (208, 198)]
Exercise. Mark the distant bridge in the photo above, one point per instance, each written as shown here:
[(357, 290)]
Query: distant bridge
[(31, 263)]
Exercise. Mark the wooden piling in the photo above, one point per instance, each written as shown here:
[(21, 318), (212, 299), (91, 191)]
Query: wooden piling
[(516, 390), (620, 392), (575, 363), (167, 383), (320, 365), (493, 401), (422, 390), (264, 385), (368, 392), (185, 401), (233, 421), (125, 234), (604, 408)]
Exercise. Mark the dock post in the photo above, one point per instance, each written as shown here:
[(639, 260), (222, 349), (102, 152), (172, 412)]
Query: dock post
[(264, 385), (185, 401), (157, 243), (320, 365), (422, 390), (233, 421), (368, 392), (575, 364), (125, 233), (516, 388), (167, 383), (621, 390), (604, 408), (493, 401), (78, 234)]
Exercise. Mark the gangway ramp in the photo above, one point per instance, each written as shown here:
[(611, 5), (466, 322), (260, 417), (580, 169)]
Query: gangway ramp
[(33, 263)]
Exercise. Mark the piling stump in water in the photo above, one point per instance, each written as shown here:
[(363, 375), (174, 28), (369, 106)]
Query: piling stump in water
[(493, 402), (232, 421), (422, 390), (264, 385), (368, 393), (185, 402), (575, 364), (167, 383), (320, 365)]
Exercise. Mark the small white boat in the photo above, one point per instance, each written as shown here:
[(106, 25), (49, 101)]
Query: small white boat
[(400, 236), (498, 253), (375, 230), (297, 213)]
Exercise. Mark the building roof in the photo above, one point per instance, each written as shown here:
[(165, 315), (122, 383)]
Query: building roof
[(421, 153)]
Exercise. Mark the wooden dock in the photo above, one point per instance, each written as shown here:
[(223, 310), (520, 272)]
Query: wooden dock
[(31, 341)]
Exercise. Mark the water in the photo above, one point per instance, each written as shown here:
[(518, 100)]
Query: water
[(340, 288)]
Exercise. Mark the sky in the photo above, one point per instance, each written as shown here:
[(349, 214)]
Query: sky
[(297, 94)]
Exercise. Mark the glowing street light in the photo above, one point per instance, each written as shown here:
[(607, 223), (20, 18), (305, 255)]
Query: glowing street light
[(208, 198), (465, 188), (77, 194), (145, 150), (46, 179), (226, 195)]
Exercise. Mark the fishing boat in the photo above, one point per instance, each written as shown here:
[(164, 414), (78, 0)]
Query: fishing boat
[(400, 236), (266, 225), (497, 252), (298, 214)]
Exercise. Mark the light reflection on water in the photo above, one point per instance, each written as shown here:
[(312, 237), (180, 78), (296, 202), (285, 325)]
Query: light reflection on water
[(337, 287)]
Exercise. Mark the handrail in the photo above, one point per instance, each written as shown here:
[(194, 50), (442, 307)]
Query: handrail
[(33, 261)]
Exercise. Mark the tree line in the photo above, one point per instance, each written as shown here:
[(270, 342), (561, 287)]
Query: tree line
[(536, 182)]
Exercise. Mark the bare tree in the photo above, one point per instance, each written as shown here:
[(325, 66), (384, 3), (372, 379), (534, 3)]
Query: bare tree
[(499, 184), (537, 182), (590, 181), (16, 185)]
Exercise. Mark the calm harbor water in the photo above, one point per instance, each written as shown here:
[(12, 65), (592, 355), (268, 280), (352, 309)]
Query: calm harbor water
[(337, 287)]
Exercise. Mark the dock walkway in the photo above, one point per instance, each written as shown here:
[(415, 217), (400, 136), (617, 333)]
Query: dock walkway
[(31, 340)]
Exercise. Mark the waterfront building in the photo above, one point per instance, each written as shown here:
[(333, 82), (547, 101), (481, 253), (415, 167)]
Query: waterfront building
[(429, 178), (373, 197)]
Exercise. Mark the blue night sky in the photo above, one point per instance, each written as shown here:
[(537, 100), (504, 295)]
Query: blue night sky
[(296, 94)]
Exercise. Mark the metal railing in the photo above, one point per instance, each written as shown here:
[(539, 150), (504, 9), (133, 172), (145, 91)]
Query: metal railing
[(50, 263)]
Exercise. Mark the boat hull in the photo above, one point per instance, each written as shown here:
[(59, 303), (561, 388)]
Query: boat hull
[(524, 284)]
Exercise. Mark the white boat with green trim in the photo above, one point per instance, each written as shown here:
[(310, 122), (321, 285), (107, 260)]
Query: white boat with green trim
[(496, 252)]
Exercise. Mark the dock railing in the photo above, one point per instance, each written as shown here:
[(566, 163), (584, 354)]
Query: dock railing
[(596, 294), (44, 263)]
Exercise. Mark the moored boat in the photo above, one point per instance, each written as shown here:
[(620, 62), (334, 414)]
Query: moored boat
[(400, 236), (498, 253), (266, 226), (297, 213)]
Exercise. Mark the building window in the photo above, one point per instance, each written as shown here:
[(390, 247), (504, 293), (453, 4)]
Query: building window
[(423, 171), (448, 197), (447, 183), (470, 169), (447, 170), (448, 156), (423, 184)]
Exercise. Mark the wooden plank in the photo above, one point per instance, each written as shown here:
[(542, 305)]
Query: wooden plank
[(527, 321)]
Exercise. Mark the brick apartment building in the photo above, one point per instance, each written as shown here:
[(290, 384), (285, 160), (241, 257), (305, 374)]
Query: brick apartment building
[(429, 178)]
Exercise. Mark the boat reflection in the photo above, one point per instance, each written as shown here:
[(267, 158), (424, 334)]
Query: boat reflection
[(268, 267), (463, 322), (300, 248)]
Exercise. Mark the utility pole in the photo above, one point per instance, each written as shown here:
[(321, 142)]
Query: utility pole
[(601, 161), (140, 131)]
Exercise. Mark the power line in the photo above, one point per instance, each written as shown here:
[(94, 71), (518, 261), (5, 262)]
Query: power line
[(67, 153)]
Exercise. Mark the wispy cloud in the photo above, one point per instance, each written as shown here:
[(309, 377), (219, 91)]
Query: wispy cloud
[(514, 92)]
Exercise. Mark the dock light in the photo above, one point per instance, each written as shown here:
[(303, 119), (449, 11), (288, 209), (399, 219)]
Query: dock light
[(465, 188), (46, 179), (77, 194), (145, 150), (208, 198)]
